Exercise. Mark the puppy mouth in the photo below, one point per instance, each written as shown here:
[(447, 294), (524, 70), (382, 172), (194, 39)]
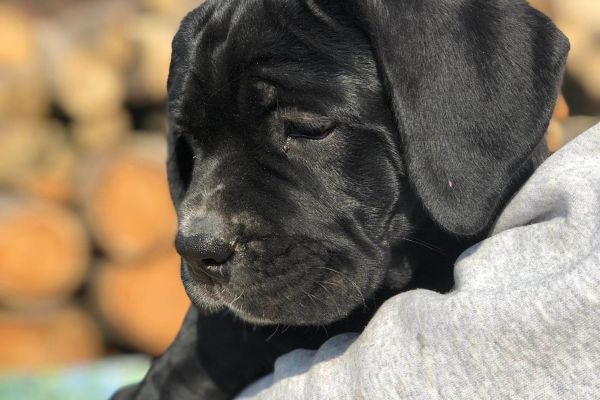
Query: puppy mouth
[(207, 291), (210, 277), (209, 273), (294, 298), (269, 282)]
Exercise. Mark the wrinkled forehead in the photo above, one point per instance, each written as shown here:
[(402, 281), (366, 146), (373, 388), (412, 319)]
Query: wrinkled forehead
[(288, 42), (218, 33)]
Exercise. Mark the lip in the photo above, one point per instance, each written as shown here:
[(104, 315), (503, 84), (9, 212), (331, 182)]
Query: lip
[(214, 271), (234, 303), (201, 293), (199, 275), (245, 301), (240, 312)]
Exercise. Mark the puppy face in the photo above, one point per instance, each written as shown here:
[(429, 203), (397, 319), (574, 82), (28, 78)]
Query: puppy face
[(305, 133), (285, 169)]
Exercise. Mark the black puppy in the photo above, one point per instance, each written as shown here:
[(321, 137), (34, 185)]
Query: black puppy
[(325, 155)]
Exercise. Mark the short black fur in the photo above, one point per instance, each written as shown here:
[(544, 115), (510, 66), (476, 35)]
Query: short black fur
[(326, 155)]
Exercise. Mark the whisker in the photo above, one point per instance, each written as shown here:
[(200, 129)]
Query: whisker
[(337, 306), (337, 285), (427, 245), (236, 299), (311, 297), (272, 334), (351, 282)]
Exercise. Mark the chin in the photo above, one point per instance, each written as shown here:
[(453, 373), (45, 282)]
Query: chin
[(260, 306)]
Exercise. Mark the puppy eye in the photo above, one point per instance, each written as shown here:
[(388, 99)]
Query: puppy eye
[(309, 130), (184, 160)]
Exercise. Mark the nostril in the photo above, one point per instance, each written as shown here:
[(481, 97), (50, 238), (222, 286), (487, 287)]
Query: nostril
[(216, 252), (205, 254)]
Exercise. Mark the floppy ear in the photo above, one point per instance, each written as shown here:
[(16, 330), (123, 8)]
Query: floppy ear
[(472, 84)]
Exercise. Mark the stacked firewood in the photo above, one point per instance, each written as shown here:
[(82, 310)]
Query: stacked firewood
[(87, 264)]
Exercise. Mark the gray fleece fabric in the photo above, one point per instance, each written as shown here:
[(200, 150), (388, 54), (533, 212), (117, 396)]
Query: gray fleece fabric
[(523, 321)]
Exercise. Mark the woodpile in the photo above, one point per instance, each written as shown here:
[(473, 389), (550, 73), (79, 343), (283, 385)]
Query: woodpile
[(86, 222)]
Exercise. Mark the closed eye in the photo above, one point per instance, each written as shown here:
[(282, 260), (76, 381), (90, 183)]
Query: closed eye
[(309, 129)]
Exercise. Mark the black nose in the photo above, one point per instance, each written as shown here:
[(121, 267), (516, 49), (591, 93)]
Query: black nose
[(205, 255)]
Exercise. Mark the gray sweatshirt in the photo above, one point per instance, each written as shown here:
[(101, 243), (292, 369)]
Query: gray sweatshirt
[(523, 321)]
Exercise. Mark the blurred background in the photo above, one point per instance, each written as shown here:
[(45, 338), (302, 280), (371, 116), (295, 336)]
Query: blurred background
[(89, 279)]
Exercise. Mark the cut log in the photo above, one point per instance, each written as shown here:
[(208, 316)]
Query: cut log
[(53, 183), (126, 200), (37, 159), (87, 85), (23, 93), (143, 302), (51, 175), (19, 45), (102, 132), (20, 144), (48, 338), (44, 252), (110, 37), (152, 37), (561, 111)]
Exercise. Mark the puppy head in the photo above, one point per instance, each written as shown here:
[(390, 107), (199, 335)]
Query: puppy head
[(304, 135)]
